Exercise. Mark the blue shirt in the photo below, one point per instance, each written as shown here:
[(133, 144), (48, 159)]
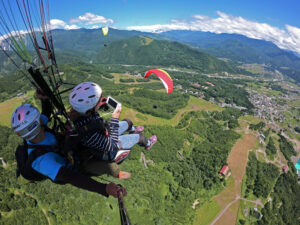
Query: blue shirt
[(50, 163)]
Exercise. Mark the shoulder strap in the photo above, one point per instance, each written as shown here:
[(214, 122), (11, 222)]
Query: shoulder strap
[(38, 151)]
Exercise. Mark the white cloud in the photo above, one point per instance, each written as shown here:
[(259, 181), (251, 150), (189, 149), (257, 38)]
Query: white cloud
[(95, 27), (59, 24), (90, 18), (288, 38)]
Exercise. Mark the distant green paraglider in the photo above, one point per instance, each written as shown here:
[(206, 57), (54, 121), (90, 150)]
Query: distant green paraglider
[(104, 31)]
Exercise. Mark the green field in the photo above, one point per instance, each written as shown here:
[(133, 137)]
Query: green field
[(194, 104), (207, 212), (7, 107)]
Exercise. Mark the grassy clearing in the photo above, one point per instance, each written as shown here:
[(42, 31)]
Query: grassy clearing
[(6, 109), (194, 104), (250, 119), (261, 156), (118, 76), (253, 68), (207, 212)]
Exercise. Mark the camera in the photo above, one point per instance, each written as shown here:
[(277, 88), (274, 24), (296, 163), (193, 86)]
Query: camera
[(112, 102)]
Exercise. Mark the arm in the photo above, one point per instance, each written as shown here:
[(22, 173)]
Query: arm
[(46, 104), (46, 107), (100, 142), (78, 180)]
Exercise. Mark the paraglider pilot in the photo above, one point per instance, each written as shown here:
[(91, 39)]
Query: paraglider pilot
[(28, 123)]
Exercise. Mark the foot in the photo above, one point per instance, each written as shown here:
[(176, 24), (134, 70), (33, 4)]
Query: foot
[(124, 175), (137, 130), (152, 140)]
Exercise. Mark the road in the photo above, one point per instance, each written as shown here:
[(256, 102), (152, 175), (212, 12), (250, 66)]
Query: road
[(237, 198)]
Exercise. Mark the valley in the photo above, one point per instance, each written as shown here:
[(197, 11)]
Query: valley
[(244, 115)]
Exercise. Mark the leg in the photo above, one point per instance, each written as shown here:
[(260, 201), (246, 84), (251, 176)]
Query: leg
[(127, 125), (127, 141), (98, 167), (124, 126)]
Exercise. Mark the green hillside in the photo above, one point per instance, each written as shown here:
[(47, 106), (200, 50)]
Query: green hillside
[(164, 192), (141, 50)]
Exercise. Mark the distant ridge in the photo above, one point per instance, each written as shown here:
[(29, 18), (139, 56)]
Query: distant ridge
[(141, 50), (240, 48)]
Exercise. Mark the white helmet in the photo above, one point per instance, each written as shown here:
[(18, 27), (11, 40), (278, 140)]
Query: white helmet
[(25, 121), (85, 96)]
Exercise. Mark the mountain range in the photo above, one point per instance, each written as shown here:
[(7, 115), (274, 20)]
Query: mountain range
[(180, 48)]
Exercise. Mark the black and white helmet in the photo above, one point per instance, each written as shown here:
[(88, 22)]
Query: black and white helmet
[(25, 121), (85, 96)]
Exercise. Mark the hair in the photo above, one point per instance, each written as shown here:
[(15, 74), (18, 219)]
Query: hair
[(74, 115)]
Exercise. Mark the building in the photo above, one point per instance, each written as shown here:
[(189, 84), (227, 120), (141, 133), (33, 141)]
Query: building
[(285, 169), (20, 94), (210, 84), (224, 171), (256, 214)]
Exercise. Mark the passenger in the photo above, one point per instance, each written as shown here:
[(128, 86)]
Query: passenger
[(105, 143)]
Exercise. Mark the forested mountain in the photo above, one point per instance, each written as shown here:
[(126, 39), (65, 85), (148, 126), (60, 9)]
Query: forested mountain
[(140, 50), (240, 48), (88, 39), (85, 45)]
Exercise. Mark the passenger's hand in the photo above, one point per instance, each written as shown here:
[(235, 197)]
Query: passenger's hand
[(113, 190), (117, 112)]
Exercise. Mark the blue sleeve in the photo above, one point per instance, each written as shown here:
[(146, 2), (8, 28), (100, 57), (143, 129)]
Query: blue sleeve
[(44, 119), (49, 164)]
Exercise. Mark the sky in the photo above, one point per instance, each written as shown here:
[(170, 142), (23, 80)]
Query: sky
[(277, 21)]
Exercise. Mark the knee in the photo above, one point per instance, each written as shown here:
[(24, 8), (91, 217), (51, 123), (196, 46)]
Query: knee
[(130, 124), (114, 169)]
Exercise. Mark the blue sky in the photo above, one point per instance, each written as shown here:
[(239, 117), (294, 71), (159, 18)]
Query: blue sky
[(141, 12), (272, 20)]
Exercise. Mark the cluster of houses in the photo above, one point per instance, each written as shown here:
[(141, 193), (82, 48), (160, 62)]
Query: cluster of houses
[(267, 108)]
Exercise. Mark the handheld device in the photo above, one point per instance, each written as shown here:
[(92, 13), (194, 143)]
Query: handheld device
[(112, 102)]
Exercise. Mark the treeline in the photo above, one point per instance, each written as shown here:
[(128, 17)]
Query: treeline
[(286, 147), (13, 84), (285, 205), (271, 148), (261, 177), (210, 150), (155, 103), (259, 126), (129, 80), (230, 115)]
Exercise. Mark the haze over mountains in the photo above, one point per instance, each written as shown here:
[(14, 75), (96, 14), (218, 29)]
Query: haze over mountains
[(90, 45)]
